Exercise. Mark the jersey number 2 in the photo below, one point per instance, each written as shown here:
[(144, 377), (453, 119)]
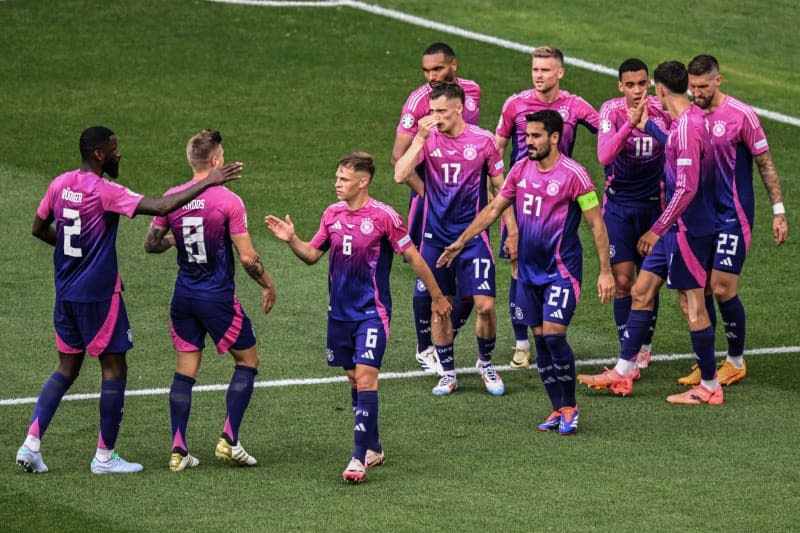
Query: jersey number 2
[(75, 229)]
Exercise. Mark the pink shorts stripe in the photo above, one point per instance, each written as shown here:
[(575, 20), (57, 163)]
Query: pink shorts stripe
[(101, 340), (693, 265), (233, 331), (63, 347), (180, 344)]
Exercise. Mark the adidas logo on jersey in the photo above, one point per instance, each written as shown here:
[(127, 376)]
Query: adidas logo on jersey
[(726, 262), (484, 286), (337, 225), (437, 153), (368, 355), (557, 314), (522, 184)]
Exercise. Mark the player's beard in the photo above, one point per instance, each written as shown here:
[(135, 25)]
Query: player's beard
[(540, 154), (111, 167)]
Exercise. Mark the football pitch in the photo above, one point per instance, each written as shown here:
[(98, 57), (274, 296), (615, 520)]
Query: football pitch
[(292, 88)]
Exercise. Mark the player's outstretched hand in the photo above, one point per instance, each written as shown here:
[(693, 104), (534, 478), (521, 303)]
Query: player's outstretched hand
[(450, 253), (605, 287), (441, 308), (282, 229), (230, 172), (268, 297), (646, 243)]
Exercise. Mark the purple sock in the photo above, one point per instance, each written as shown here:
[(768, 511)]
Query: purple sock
[(648, 339), (462, 307), (733, 320), (563, 367), (112, 402), (365, 431), (703, 347), (712, 311), (485, 349), (180, 405), (354, 397), (239, 392), (544, 364), (636, 329), (446, 357), (622, 308), (422, 321), (520, 329), (49, 399)]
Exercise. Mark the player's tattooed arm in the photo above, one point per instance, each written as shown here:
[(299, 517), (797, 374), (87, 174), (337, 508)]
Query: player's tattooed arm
[(255, 269), (770, 177), (158, 240)]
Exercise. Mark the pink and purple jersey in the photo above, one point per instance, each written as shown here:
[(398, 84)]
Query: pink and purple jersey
[(86, 209), (633, 159), (572, 108), (418, 105), (548, 216), (360, 246), (736, 136), (689, 172), (202, 230), (456, 169)]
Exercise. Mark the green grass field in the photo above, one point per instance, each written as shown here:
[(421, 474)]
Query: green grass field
[(292, 89)]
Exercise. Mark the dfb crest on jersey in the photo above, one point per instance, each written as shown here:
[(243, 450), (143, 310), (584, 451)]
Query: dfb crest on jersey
[(407, 121), (421, 286), (605, 125), (612, 251), (470, 152), (719, 128), (367, 226), (552, 187), (564, 112), (469, 103)]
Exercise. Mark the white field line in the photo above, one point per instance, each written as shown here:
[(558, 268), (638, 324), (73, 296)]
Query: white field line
[(383, 376), (467, 34)]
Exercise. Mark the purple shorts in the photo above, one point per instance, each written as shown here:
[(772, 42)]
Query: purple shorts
[(681, 259), (93, 327), (553, 302), (354, 343), (471, 274), (226, 322), (625, 225)]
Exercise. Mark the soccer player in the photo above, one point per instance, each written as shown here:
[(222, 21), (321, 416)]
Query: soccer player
[(89, 312), (634, 166), (456, 157), (360, 233), (738, 139), (204, 301), (439, 65), (549, 191), (547, 69), (678, 247)]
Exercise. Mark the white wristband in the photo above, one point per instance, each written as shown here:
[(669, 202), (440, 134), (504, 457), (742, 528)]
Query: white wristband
[(778, 209)]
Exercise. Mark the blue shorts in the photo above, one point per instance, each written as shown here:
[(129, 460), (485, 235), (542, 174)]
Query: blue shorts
[(471, 274), (226, 322), (553, 302), (625, 225), (683, 260), (352, 343), (731, 249), (93, 327)]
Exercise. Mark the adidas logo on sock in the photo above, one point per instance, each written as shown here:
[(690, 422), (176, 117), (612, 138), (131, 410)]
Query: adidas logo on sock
[(360, 427), (484, 286)]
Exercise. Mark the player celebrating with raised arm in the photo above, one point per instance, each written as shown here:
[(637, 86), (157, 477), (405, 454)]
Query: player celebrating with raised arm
[(678, 247), (89, 312), (205, 231), (634, 166), (439, 65), (738, 139), (360, 234), (547, 69), (549, 191)]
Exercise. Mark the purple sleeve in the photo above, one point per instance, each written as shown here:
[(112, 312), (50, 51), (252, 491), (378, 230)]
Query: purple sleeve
[(610, 140), (118, 199), (655, 132)]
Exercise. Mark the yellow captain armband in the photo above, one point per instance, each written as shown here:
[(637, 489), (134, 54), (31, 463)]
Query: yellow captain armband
[(588, 201)]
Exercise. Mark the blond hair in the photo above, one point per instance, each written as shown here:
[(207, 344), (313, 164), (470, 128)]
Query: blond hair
[(202, 147)]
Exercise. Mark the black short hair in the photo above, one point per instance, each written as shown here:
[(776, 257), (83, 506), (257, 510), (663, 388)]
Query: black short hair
[(632, 65), (673, 76), (550, 119), (451, 91), (440, 48), (93, 139), (703, 64)]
